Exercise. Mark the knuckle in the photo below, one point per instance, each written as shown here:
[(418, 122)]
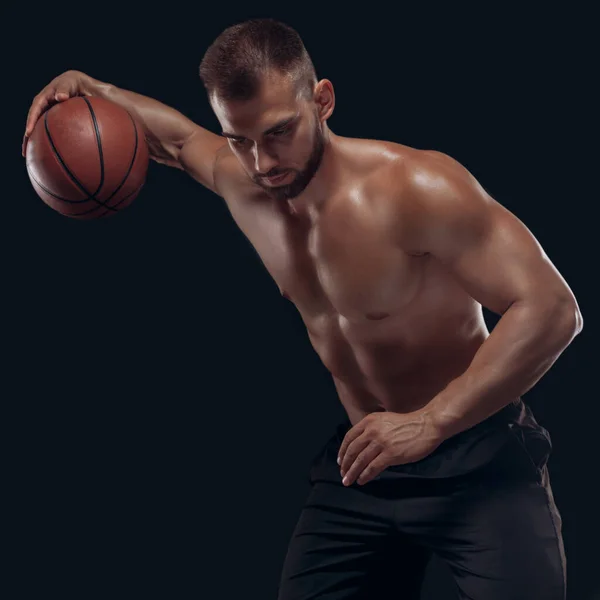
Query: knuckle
[(362, 458), (377, 436), (378, 444)]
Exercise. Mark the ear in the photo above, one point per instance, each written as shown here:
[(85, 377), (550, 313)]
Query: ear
[(324, 98)]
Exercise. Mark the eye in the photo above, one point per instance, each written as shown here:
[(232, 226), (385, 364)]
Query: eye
[(238, 142), (281, 132)]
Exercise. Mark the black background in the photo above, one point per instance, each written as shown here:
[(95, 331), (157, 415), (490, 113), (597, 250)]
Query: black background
[(162, 400)]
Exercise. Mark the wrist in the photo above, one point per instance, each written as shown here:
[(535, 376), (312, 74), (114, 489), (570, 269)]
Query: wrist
[(99, 88), (442, 422)]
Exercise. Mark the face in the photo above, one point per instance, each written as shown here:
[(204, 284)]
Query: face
[(278, 137)]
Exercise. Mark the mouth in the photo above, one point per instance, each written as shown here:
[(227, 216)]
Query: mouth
[(275, 180)]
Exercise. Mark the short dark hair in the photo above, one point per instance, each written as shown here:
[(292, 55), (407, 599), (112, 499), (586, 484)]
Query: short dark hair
[(236, 62)]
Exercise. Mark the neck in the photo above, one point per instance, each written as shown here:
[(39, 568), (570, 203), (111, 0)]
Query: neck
[(321, 186)]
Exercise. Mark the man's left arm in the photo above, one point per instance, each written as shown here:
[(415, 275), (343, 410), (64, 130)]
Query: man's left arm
[(498, 261)]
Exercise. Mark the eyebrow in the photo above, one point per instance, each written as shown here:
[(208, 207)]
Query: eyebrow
[(278, 125)]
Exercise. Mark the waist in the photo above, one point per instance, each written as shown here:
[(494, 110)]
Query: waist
[(516, 412), (466, 451)]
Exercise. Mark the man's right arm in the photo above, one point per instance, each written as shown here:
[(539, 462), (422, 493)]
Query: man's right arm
[(172, 138)]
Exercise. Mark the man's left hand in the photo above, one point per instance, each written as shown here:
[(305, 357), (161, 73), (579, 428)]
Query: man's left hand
[(383, 439)]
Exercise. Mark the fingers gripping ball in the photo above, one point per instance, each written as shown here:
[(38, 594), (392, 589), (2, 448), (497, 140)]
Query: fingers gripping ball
[(87, 158)]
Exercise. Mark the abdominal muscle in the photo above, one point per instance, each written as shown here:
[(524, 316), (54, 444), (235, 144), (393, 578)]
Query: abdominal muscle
[(399, 363)]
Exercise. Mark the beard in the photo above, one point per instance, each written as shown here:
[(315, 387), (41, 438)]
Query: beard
[(304, 177)]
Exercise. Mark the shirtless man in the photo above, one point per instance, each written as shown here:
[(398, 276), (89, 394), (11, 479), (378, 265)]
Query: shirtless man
[(388, 253)]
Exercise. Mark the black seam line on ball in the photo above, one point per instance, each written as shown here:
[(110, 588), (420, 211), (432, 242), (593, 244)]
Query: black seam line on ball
[(114, 206), (122, 200), (92, 196), (135, 133), (67, 171), (99, 142), (52, 193), (79, 201)]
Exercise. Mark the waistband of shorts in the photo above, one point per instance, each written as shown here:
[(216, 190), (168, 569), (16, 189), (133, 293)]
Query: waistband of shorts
[(514, 412)]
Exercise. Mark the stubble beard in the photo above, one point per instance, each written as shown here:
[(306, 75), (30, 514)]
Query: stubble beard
[(304, 177)]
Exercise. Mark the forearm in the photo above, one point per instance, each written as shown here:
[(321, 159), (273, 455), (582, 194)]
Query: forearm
[(165, 128), (521, 348)]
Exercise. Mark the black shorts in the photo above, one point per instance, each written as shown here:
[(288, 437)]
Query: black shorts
[(482, 502)]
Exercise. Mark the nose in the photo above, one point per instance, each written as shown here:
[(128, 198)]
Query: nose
[(264, 161)]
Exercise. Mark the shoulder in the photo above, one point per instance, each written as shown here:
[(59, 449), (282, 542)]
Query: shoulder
[(423, 176), (230, 179), (430, 193)]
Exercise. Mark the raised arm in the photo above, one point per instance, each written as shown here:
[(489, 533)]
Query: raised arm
[(172, 138)]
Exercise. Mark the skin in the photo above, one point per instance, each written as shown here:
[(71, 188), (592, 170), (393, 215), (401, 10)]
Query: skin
[(388, 252), (390, 292)]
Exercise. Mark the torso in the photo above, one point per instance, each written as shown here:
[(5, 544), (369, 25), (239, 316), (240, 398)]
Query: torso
[(393, 328)]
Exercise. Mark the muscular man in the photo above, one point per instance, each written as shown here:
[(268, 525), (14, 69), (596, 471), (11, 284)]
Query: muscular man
[(388, 253)]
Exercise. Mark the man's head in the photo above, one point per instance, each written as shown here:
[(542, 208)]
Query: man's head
[(262, 86)]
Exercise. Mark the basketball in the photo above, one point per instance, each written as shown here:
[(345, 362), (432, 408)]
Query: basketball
[(87, 157)]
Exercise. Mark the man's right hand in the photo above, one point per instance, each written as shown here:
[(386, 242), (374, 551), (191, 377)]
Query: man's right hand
[(172, 138), (61, 88)]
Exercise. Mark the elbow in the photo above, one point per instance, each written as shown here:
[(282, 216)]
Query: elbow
[(568, 317), (573, 313), (579, 321)]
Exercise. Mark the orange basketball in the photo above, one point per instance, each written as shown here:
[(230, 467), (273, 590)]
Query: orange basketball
[(87, 157)]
